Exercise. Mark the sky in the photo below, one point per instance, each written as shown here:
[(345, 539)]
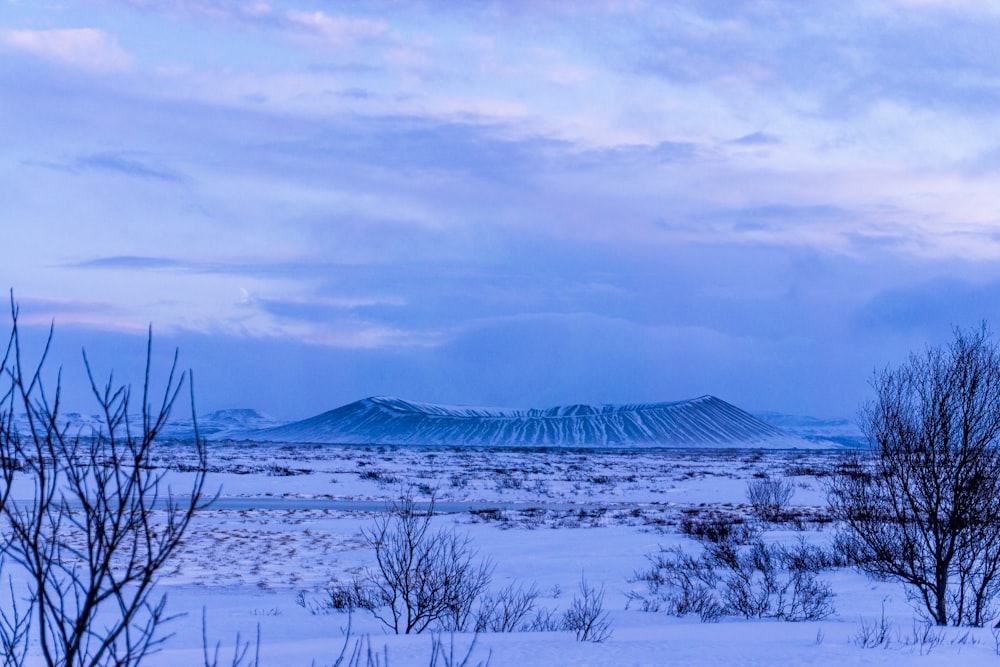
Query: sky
[(515, 204)]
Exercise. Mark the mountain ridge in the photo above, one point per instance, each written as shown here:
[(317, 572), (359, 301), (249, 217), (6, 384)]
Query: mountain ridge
[(706, 420)]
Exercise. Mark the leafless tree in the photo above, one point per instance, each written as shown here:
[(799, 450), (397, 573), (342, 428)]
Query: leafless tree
[(422, 577), (921, 507), (101, 523)]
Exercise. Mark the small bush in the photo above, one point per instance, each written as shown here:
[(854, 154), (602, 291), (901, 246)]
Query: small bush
[(769, 497), (806, 470), (423, 578), (339, 597), (810, 599), (380, 477), (509, 482), (873, 633), (924, 636), (679, 584), (759, 581), (719, 528), (544, 620), (806, 557), (507, 609), (586, 617)]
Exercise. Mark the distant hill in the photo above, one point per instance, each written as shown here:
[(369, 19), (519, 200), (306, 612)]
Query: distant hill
[(217, 425), (225, 423), (842, 431), (699, 422)]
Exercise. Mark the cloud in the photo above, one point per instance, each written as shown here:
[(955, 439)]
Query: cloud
[(548, 359), (665, 152), (822, 226), (43, 307), (931, 306), (319, 309), (970, 7), (257, 269), (757, 139), (90, 314), (338, 197), (122, 163), (129, 262), (780, 214), (82, 48), (335, 31), (340, 32), (217, 9)]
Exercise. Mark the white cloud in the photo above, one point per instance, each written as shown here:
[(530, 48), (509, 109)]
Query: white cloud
[(968, 6), (336, 31), (83, 48), (210, 8)]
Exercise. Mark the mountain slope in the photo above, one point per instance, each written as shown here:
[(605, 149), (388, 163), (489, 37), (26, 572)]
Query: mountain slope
[(698, 422)]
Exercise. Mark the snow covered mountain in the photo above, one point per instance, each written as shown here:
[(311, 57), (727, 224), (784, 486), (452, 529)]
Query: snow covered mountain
[(843, 431), (379, 420), (217, 425), (223, 424)]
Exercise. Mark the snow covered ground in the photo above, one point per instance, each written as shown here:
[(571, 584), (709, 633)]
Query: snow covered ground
[(289, 518)]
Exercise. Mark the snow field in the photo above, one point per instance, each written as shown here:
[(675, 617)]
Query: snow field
[(599, 513)]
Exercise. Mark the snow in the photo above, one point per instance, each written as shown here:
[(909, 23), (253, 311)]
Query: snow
[(285, 526)]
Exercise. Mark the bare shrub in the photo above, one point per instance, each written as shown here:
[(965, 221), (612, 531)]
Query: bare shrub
[(718, 528), (422, 577), (241, 649), (506, 610), (762, 582), (679, 584), (769, 497), (338, 597), (360, 653), (448, 657), (381, 477), (586, 617), (752, 585), (544, 620), (807, 598), (924, 636), (873, 633), (757, 581), (100, 525), (803, 556), (348, 597), (814, 470)]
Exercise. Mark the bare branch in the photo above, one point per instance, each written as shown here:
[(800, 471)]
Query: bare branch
[(100, 525), (920, 506)]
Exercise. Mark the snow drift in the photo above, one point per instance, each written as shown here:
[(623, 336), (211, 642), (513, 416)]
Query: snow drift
[(704, 421)]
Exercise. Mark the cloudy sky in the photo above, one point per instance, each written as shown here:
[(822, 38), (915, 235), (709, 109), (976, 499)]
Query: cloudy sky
[(522, 203)]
